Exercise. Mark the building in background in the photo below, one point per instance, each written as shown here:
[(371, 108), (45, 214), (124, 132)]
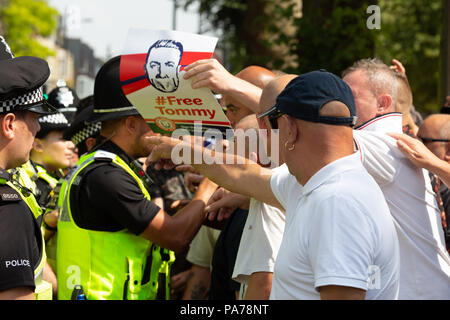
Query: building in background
[(61, 64)]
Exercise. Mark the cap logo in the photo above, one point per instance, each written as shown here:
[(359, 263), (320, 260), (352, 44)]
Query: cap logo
[(65, 97)]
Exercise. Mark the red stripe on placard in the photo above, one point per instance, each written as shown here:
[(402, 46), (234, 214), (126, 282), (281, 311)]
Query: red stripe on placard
[(132, 65), (190, 57), (135, 86)]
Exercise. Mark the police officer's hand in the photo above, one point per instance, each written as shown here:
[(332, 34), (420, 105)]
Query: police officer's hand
[(192, 177), (211, 74)]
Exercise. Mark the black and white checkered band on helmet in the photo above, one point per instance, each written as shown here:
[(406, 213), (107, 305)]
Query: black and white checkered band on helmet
[(56, 118), (88, 131), (28, 98)]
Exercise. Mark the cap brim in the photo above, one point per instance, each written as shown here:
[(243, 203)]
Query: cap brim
[(104, 116), (268, 112), (42, 107)]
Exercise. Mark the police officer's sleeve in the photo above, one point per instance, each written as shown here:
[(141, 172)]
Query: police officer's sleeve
[(19, 251), (119, 194)]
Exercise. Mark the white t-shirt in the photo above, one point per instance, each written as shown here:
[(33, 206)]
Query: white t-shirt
[(260, 241), (424, 261), (202, 247), (338, 232)]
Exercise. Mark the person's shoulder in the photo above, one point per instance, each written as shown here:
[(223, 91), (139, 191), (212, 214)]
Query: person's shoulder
[(8, 195), (12, 206), (10, 201)]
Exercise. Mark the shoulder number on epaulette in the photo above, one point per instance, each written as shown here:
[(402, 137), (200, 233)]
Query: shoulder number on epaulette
[(9, 194)]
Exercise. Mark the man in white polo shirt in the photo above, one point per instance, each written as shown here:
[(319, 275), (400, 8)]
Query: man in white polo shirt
[(425, 264), (339, 240)]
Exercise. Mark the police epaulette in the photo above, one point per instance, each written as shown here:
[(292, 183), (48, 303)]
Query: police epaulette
[(9, 194), (101, 155)]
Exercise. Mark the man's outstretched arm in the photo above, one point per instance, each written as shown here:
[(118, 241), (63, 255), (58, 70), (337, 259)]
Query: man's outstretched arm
[(232, 172)]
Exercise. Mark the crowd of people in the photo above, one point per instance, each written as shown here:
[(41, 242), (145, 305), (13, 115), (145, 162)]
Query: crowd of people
[(349, 198)]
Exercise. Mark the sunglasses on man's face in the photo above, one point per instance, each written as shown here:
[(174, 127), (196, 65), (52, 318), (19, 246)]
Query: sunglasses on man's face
[(273, 120), (425, 140)]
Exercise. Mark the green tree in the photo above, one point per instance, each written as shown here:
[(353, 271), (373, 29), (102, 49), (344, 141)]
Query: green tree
[(411, 33), (260, 32), (333, 34), (22, 21)]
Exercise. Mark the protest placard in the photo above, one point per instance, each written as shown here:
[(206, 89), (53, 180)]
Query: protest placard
[(151, 74)]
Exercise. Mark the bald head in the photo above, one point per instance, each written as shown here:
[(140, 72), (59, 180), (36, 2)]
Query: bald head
[(436, 126), (258, 76), (236, 110), (248, 122), (272, 90), (432, 125)]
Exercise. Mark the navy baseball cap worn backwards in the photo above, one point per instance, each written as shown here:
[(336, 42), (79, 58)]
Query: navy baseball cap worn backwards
[(306, 94)]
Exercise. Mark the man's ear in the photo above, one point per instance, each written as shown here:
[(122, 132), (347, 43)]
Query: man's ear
[(7, 125), (447, 152), (38, 146), (90, 143), (131, 124), (384, 104), (291, 125)]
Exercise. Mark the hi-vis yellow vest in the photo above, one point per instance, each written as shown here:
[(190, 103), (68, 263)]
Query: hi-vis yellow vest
[(109, 265), (43, 290), (34, 173)]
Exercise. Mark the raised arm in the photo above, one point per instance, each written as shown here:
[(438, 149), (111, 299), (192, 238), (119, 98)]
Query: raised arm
[(210, 73), (232, 172), (422, 157)]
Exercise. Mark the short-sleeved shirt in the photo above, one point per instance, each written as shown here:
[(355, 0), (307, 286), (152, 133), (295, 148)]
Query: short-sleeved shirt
[(202, 246), (338, 232), (111, 200), (260, 241), (425, 263), (20, 242)]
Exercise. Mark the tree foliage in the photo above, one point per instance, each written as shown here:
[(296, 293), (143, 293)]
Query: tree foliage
[(257, 32), (332, 34), (22, 21), (411, 33)]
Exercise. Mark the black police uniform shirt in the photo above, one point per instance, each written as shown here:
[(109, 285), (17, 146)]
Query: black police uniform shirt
[(110, 199), (20, 241)]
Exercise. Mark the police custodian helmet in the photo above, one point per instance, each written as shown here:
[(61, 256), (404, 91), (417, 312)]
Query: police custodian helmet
[(65, 99), (21, 81), (109, 100)]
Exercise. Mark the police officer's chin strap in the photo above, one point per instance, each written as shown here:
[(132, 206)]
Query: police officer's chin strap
[(97, 146)]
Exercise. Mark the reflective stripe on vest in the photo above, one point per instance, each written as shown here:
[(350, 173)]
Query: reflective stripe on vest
[(109, 265)]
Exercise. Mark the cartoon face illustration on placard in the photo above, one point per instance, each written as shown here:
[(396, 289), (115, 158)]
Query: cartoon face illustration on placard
[(163, 64)]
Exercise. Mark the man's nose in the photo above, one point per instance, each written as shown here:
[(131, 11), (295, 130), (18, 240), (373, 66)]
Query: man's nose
[(163, 72)]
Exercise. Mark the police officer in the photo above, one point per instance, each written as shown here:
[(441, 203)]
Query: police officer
[(83, 135), (49, 156), (65, 99), (22, 254), (110, 234)]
